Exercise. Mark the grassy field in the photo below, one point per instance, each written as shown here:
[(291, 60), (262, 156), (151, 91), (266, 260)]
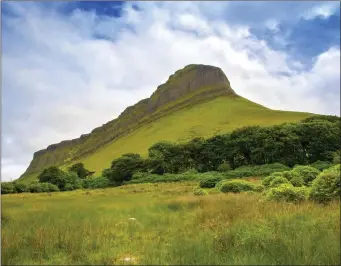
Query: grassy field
[(220, 115), (171, 226)]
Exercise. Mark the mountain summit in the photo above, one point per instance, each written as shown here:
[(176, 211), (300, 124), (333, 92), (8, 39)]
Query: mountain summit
[(196, 101)]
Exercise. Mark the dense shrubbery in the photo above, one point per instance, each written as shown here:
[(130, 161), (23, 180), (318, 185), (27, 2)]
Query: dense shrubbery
[(249, 151), (209, 182), (7, 187), (287, 192), (278, 180), (326, 186), (96, 182), (36, 187), (321, 165), (256, 170), (236, 186), (308, 173)]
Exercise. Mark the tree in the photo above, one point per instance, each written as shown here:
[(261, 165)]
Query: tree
[(56, 176), (123, 168), (80, 170)]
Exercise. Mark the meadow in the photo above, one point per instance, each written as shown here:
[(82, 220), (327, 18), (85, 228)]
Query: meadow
[(164, 223)]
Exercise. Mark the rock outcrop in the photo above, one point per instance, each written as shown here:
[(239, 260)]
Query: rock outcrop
[(187, 86)]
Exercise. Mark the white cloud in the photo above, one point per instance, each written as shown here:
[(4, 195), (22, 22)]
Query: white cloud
[(59, 82)]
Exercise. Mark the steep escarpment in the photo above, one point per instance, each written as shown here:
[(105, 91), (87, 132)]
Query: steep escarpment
[(186, 87)]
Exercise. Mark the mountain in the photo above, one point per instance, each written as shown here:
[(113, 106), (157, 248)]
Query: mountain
[(195, 101)]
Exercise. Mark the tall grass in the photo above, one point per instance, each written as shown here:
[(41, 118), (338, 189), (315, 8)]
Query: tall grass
[(171, 226)]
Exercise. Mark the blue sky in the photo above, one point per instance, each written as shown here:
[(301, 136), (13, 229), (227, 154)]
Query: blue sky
[(68, 67)]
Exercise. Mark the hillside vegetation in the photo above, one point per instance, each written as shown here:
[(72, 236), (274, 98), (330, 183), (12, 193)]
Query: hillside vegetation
[(196, 101), (207, 119)]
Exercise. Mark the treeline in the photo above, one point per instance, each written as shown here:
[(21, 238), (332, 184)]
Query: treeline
[(314, 140)]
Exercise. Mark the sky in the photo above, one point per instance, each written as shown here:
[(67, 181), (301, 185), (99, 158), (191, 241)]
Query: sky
[(68, 67)]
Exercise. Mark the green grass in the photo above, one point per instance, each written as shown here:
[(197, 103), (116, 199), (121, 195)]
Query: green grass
[(172, 226), (220, 115)]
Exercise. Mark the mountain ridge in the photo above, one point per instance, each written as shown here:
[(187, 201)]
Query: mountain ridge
[(192, 84)]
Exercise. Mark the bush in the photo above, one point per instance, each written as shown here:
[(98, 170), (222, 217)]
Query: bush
[(258, 188), (224, 167), (266, 181), (297, 181), (257, 170), (308, 173), (336, 157), (236, 186), (20, 187), (96, 182), (209, 181), (52, 188), (321, 165), (287, 192), (278, 180), (7, 188), (326, 186), (199, 192)]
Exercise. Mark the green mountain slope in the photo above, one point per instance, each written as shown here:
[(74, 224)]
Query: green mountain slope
[(195, 101)]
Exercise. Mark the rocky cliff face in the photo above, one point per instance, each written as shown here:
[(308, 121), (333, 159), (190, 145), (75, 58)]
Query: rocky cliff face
[(187, 86)]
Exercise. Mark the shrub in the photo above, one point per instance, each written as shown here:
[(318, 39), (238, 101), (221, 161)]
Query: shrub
[(326, 186), (266, 181), (258, 188), (52, 188), (199, 192), (36, 187), (336, 157), (321, 165), (278, 180), (96, 182), (287, 192), (224, 167), (297, 181), (257, 170), (7, 187), (209, 182), (236, 186), (308, 173), (20, 187)]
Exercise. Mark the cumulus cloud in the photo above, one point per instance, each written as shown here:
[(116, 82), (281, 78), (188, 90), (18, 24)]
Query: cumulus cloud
[(65, 74)]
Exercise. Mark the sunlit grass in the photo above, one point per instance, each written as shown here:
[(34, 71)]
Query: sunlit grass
[(171, 226)]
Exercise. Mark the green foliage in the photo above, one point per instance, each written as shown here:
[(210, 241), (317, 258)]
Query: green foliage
[(321, 165), (266, 181), (80, 170), (257, 170), (297, 181), (224, 167), (308, 173), (278, 180), (123, 168), (258, 188), (199, 192), (7, 188), (336, 157), (96, 182), (36, 187), (209, 181), (326, 186), (55, 176), (20, 187), (287, 192), (236, 186)]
